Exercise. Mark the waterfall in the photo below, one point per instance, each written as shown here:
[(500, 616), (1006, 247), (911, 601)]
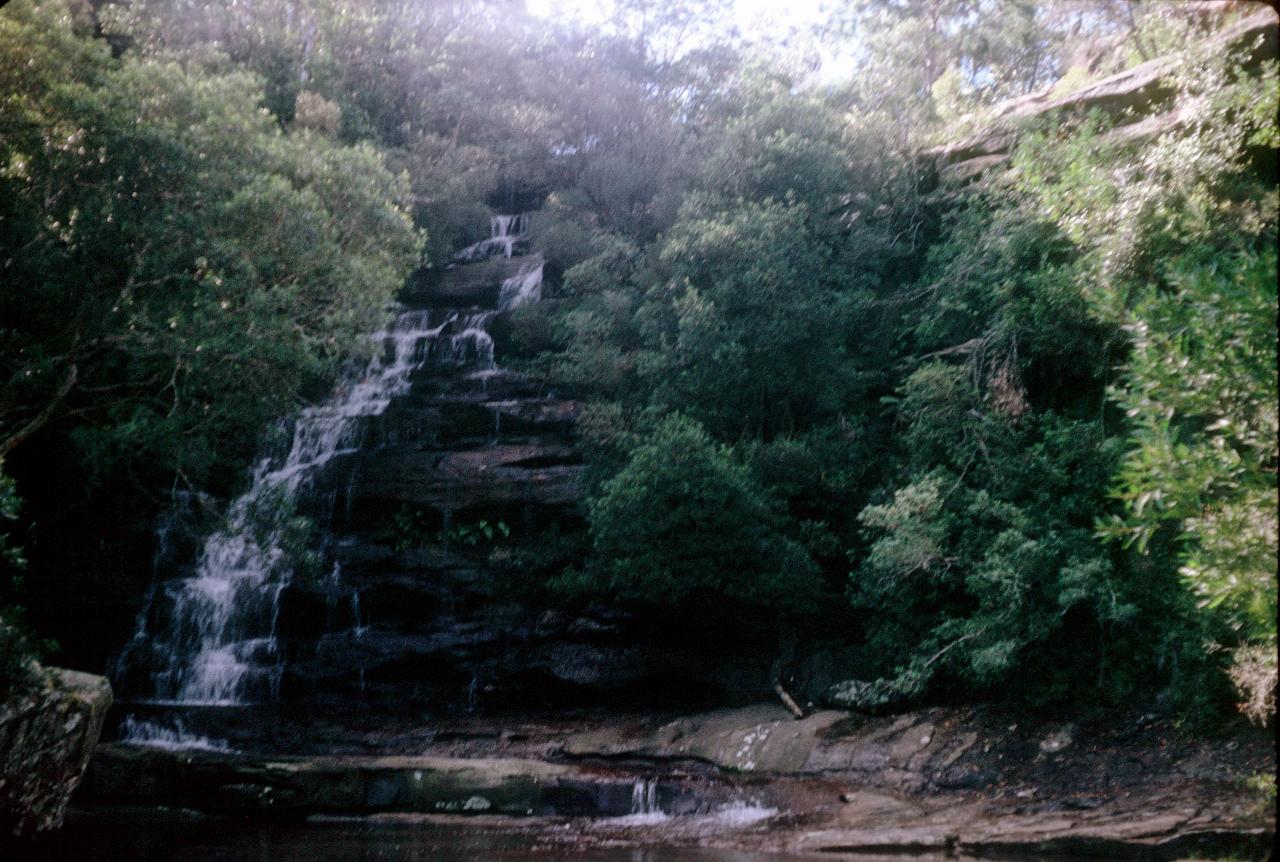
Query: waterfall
[(644, 797), (644, 803), (210, 639), (506, 232), (522, 288)]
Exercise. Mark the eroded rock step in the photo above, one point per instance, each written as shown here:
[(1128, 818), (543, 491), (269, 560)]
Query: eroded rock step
[(225, 783), (506, 474), (457, 422)]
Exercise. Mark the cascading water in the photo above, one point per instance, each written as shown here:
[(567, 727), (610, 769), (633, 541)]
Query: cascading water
[(210, 639), (522, 288), (644, 797), (644, 804), (506, 232)]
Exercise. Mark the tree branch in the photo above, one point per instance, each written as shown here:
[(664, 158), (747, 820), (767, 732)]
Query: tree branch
[(68, 381)]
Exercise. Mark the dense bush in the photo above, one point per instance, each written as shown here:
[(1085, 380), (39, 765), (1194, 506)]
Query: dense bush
[(683, 522)]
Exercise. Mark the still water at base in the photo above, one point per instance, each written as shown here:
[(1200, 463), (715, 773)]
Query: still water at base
[(117, 837)]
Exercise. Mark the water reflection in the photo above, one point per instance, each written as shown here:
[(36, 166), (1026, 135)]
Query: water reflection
[(114, 837)]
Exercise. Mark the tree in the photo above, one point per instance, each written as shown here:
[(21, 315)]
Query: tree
[(1179, 237), (1200, 392), (684, 528), (756, 325), (179, 272), (166, 244), (682, 521)]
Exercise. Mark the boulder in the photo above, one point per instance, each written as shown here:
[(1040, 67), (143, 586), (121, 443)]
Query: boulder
[(46, 737)]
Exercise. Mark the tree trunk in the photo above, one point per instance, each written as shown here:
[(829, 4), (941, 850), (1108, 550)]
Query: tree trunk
[(786, 654)]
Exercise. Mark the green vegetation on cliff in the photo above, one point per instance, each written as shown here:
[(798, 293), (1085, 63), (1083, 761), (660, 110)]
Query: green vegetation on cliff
[(1006, 432)]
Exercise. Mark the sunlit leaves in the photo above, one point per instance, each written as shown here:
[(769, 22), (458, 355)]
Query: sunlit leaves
[(167, 240)]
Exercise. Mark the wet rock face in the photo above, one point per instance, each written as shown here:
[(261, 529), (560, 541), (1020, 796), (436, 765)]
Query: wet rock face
[(466, 470), (534, 473), (474, 284), (436, 523), (45, 741)]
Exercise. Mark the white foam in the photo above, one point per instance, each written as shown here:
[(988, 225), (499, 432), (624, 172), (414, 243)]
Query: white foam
[(738, 814), (150, 734)]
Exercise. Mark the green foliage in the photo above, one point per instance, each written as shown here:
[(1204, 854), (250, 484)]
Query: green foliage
[(561, 237), (983, 571), (411, 529), (756, 332), (197, 265), (408, 528), (1180, 240), (470, 535), (1263, 787), (777, 144), (1200, 391), (684, 522)]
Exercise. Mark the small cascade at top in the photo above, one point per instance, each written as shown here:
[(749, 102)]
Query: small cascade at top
[(210, 639), (506, 232)]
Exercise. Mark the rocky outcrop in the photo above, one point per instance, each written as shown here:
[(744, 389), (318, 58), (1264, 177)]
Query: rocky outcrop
[(46, 737), (871, 822), (950, 782), (932, 750), (972, 782), (905, 751), (1137, 98), (230, 783)]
